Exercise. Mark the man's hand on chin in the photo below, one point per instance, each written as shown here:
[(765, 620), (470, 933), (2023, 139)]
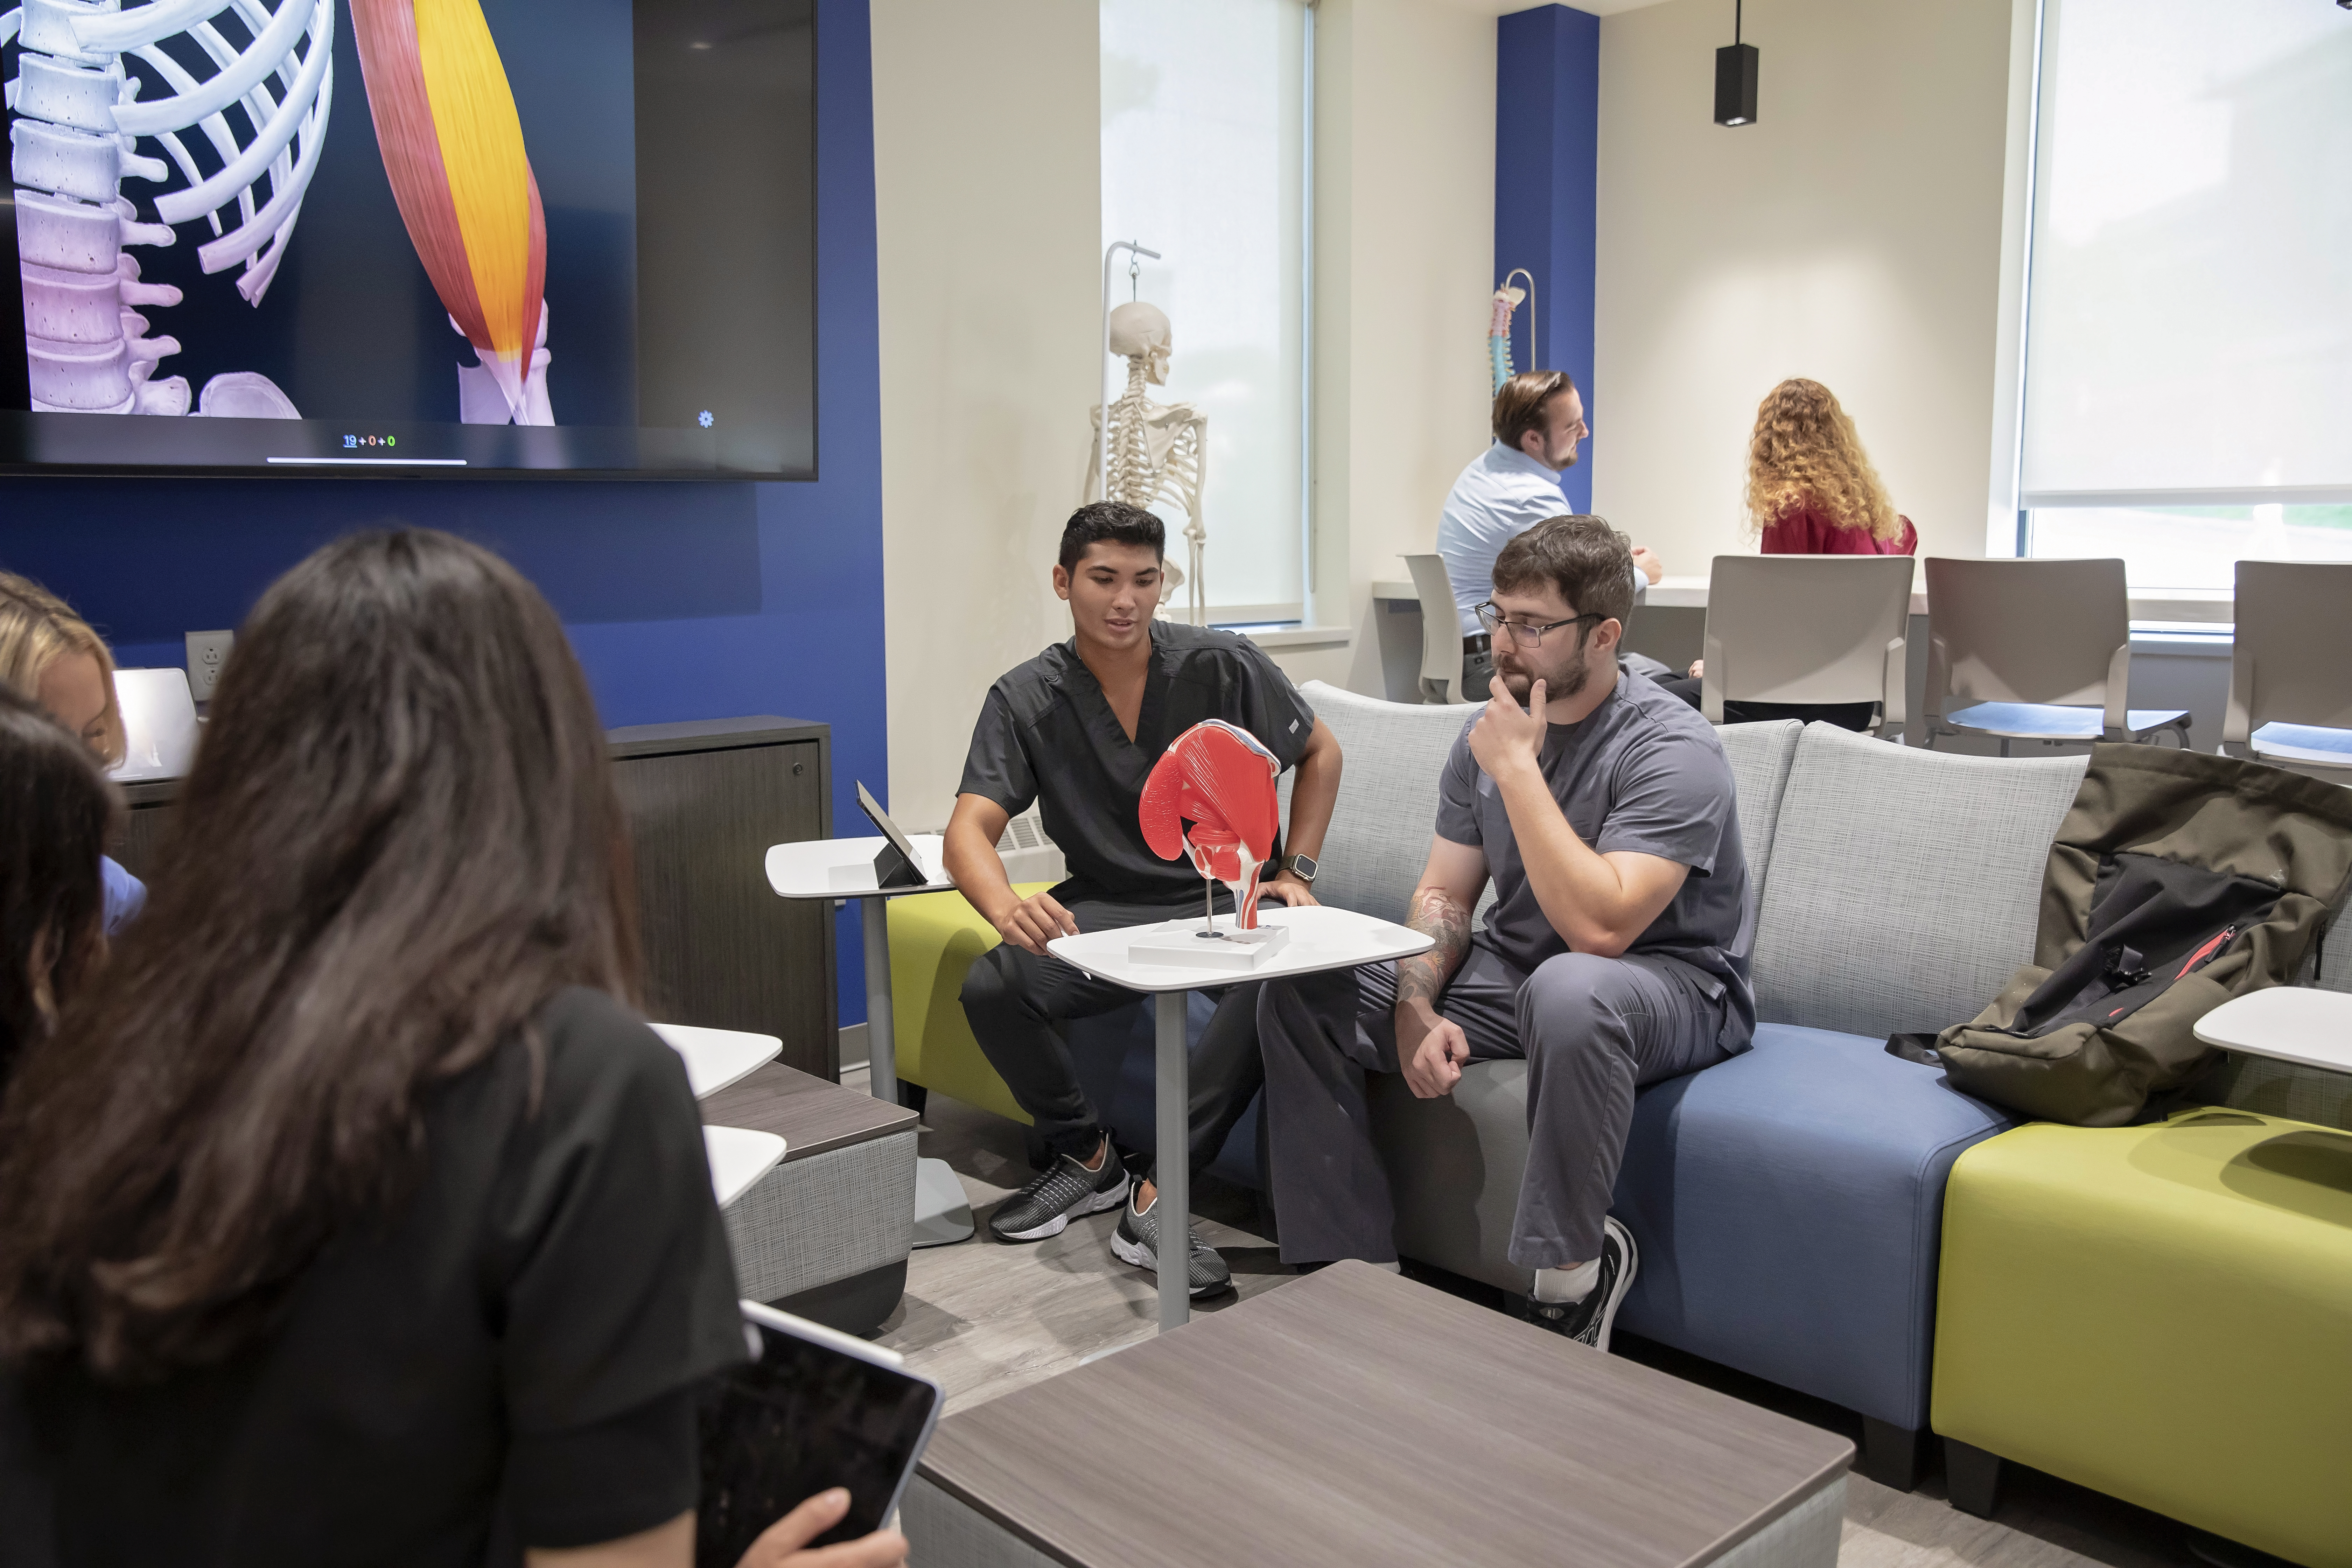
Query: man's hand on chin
[(1287, 887), (1507, 736)]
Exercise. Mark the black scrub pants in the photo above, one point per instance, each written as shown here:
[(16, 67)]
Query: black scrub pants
[(1013, 998)]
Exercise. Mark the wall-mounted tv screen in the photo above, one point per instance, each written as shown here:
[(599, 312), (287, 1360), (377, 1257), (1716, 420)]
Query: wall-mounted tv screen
[(411, 236)]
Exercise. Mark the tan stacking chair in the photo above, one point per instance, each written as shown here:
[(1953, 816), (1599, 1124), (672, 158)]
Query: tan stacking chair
[(1807, 628), (2034, 650), (1441, 630), (2291, 668)]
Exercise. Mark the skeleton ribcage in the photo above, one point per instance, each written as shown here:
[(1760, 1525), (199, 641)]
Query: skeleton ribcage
[(214, 111)]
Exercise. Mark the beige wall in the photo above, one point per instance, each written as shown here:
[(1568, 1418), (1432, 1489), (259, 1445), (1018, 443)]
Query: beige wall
[(1405, 239), (987, 207), (987, 140), (1852, 235)]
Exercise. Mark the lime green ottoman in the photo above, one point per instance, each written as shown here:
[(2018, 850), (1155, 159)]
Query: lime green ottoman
[(934, 937), (2162, 1314)]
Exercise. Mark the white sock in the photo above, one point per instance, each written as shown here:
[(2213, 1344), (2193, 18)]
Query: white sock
[(1564, 1285)]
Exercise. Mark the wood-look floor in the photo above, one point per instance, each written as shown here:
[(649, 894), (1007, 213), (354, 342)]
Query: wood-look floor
[(985, 1319)]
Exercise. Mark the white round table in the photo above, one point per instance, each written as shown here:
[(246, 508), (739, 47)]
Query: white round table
[(739, 1157), (2298, 1024), (716, 1058), (843, 868)]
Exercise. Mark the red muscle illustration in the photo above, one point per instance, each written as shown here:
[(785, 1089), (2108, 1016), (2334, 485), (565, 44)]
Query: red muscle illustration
[(1221, 781)]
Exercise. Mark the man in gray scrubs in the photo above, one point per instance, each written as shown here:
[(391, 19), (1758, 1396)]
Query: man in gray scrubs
[(1615, 955)]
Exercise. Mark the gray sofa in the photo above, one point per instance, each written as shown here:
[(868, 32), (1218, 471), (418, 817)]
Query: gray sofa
[(1788, 1202)]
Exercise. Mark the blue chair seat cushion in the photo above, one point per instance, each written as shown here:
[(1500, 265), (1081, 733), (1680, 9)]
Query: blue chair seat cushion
[(1787, 1204)]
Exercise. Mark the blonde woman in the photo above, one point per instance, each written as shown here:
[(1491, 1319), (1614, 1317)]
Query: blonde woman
[(1811, 488), (50, 655)]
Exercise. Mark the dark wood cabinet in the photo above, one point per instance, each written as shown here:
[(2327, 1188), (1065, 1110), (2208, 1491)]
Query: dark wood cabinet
[(704, 801)]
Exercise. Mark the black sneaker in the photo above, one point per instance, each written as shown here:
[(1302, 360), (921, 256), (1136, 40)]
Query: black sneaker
[(1137, 1242), (1588, 1320), (1065, 1190)]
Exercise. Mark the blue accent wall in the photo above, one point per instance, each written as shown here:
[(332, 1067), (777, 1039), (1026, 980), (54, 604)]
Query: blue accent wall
[(685, 601), (1547, 146)]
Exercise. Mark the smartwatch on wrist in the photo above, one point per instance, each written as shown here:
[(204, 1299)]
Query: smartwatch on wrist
[(1301, 867)]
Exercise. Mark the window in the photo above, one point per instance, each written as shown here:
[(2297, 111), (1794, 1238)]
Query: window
[(2188, 395), (1204, 149)]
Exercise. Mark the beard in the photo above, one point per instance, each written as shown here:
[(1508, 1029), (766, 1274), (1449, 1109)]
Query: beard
[(1564, 679)]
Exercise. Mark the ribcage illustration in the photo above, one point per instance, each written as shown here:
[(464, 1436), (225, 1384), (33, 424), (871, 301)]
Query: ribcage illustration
[(207, 114)]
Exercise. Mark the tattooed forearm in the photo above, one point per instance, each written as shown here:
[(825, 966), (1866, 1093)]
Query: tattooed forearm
[(1437, 914)]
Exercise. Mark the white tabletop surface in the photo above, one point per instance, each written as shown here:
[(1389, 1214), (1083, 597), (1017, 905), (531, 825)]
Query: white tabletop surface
[(1320, 938), (739, 1157), (843, 868), (2296, 1024), (718, 1057), (1682, 591)]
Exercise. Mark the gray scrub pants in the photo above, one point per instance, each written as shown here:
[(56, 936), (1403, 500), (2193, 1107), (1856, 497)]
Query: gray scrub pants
[(1592, 1030)]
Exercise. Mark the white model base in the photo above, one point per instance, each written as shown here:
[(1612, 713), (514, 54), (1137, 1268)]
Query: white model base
[(1193, 944), (942, 1212)]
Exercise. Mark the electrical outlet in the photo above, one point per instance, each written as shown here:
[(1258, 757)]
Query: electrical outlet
[(207, 651)]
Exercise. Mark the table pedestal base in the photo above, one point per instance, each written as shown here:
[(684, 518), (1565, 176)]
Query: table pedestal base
[(942, 1212)]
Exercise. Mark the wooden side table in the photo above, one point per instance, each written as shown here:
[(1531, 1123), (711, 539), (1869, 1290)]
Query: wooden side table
[(825, 1233)]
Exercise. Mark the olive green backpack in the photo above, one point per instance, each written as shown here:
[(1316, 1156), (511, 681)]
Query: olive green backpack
[(2176, 881)]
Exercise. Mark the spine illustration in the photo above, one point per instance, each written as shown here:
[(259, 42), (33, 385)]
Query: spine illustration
[(76, 120)]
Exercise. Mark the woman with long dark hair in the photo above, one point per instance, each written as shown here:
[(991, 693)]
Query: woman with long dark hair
[(358, 1219), (54, 810)]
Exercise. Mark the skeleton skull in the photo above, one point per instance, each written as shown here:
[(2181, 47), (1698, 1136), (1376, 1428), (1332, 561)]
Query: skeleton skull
[(1142, 331)]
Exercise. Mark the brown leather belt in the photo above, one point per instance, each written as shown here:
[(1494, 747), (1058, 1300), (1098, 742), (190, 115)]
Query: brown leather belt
[(1478, 644)]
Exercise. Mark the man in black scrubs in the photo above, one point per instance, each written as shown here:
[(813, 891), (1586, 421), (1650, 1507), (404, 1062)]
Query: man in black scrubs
[(1078, 730)]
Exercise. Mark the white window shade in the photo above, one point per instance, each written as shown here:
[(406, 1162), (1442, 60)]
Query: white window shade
[(1204, 138), (2189, 316)]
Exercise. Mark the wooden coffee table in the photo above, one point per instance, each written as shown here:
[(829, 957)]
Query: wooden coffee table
[(1355, 1417)]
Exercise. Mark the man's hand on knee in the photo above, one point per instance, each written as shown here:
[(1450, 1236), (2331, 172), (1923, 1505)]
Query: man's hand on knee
[(1035, 921), (1430, 1049)]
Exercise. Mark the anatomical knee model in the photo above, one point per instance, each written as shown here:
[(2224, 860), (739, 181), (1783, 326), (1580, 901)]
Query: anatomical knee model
[(1159, 452), (76, 120), (452, 142)]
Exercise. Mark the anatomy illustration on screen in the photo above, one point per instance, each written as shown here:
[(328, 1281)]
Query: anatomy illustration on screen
[(446, 124), (76, 122), (452, 142)]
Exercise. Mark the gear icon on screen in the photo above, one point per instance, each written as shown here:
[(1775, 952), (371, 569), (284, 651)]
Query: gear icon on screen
[(703, 420)]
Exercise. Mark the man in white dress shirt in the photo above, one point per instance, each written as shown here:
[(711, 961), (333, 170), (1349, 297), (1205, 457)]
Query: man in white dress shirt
[(1507, 489)]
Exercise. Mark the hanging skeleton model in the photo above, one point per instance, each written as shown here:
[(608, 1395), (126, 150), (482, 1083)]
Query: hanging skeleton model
[(1158, 451), (85, 99)]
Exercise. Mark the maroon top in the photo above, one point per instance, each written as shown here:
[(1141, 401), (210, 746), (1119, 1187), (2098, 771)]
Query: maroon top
[(1809, 530)]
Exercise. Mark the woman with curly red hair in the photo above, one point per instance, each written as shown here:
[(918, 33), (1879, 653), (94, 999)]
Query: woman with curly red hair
[(1810, 492), (1811, 488)]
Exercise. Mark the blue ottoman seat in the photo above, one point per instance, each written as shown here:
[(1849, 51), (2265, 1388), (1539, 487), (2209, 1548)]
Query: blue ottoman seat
[(1788, 1206)]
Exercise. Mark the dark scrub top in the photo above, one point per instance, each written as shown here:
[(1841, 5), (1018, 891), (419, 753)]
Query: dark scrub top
[(1047, 734), (1644, 773), (510, 1361)]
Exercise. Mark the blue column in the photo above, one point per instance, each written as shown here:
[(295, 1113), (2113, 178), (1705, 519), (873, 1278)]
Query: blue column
[(1546, 141)]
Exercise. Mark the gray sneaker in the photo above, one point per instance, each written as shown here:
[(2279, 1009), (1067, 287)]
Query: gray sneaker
[(1137, 1242), (1588, 1320), (1062, 1192)]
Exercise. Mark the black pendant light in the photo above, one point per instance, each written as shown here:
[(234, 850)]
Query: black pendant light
[(1735, 77)]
